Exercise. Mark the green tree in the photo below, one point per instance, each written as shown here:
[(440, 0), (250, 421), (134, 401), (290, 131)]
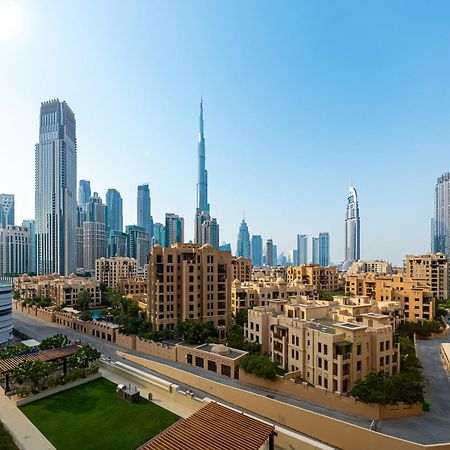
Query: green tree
[(83, 300), (236, 339), (13, 350), (84, 357), (197, 332), (16, 295), (34, 371), (260, 365), (56, 341), (242, 316)]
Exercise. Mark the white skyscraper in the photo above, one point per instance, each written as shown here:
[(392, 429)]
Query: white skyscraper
[(55, 190), (352, 230)]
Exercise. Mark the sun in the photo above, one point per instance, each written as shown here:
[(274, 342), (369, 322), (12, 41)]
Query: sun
[(11, 20)]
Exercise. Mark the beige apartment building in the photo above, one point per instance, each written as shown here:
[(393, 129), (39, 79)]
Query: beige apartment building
[(301, 338), (110, 271), (370, 265), (59, 289), (259, 291), (432, 267), (242, 268), (187, 281), (323, 278)]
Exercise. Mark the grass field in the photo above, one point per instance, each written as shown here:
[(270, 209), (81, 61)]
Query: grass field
[(6, 442), (93, 416)]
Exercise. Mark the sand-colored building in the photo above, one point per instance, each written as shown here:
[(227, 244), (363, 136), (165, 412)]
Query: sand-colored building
[(187, 281), (370, 265), (323, 278), (110, 271), (242, 268), (303, 339)]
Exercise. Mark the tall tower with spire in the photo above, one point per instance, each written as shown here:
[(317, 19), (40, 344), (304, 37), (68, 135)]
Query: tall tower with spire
[(205, 226), (352, 229)]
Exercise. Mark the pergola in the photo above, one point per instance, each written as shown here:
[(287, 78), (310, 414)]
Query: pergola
[(56, 354)]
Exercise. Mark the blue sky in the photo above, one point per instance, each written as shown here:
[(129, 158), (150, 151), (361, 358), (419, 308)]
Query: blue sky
[(299, 98)]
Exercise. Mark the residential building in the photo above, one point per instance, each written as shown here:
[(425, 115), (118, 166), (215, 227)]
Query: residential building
[(138, 244), (159, 237), (14, 250), (301, 337), (269, 253), (114, 210), (352, 230), (324, 278), (441, 223), (187, 281), (434, 268), (117, 244), (243, 241), (144, 212), (84, 193), (242, 268), (6, 210), (110, 271), (55, 190), (257, 250), (324, 249), (6, 319), (302, 249), (174, 229), (370, 265), (31, 226)]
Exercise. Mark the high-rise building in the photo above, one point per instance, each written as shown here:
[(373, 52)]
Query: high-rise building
[(257, 250), (174, 229), (243, 241), (117, 244), (302, 249), (210, 232), (352, 230), (275, 255), (114, 210), (206, 228), (198, 287), (159, 236), (144, 210), (6, 210), (30, 224), (441, 222), (315, 250), (269, 253), (55, 190), (138, 244), (14, 250), (84, 193), (324, 249), (6, 319)]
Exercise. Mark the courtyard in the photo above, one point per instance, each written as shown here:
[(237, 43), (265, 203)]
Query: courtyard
[(93, 416)]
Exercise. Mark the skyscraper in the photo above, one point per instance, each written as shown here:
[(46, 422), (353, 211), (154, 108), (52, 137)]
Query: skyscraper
[(441, 222), (84, 193), (114, 210), (206, 228), (315, 250), (138, 244), (324, 249), (144, 211), (31, 226), (243, 241), (6, 210), (275, 255), (159, 236), (55, 189), (352, 230), (269, 253), (302, 249), (174, 229), (14, 250), (257, 250)]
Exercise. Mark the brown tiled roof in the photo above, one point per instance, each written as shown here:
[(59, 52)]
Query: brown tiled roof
[(8, 365), (214, 427)]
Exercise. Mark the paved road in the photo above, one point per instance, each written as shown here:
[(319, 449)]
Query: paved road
[(432, 427)]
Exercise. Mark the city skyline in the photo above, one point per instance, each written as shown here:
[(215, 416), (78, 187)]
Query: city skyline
[(267, 127)]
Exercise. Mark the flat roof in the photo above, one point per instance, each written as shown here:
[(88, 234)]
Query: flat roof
[(213, 427)]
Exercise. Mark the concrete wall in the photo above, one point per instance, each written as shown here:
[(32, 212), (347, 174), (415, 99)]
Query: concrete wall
[(320, 396), (156, 349), (125, 341), (332, 431)]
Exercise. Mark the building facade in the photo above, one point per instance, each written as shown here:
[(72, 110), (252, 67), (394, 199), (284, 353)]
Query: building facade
[(243, 241), (257, 250), (6, 319), (174, 229), (302, 249), (138, 244), (84, 193), (6, 210), (324, 278), (114, 210), (440, 238), (352, 230), (144, 211), (110, 271), (55, 189), (14, 250), (324, 249)]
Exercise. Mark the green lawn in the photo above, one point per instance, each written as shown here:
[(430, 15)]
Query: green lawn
[(6, 442), (93, 416)]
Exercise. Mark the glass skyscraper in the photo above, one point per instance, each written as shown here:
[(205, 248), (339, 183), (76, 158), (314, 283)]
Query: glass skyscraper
[(257, 250), (269, 253), (55, 189), (243, 241), (144, 211), (352, 230), (6, 210), (315, 250), (174, 229), (302, 249), (84, 193), (324, 249), (114, 210)]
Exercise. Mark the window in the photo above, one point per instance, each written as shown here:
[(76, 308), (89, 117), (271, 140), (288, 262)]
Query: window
[(212, 366), (199, 362), (189, 358), (358, 349), (319, 347), (381, 346), (226, 370), (358, 365), (325, 349)]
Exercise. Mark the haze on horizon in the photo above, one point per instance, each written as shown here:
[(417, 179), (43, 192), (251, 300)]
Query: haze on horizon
[(298, 100)]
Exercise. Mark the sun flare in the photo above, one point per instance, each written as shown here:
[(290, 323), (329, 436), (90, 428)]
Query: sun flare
[(11, 19)]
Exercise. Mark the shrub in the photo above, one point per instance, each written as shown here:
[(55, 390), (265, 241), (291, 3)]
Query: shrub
[(23, 391), (84, 357), (261, 366), (13, 350), (56, 341)]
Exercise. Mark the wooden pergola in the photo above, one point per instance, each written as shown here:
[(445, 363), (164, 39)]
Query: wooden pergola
[(54, 355)]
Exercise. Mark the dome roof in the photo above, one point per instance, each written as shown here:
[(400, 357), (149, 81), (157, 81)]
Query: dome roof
[(236, 281), (220, 349), (280, 281)]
